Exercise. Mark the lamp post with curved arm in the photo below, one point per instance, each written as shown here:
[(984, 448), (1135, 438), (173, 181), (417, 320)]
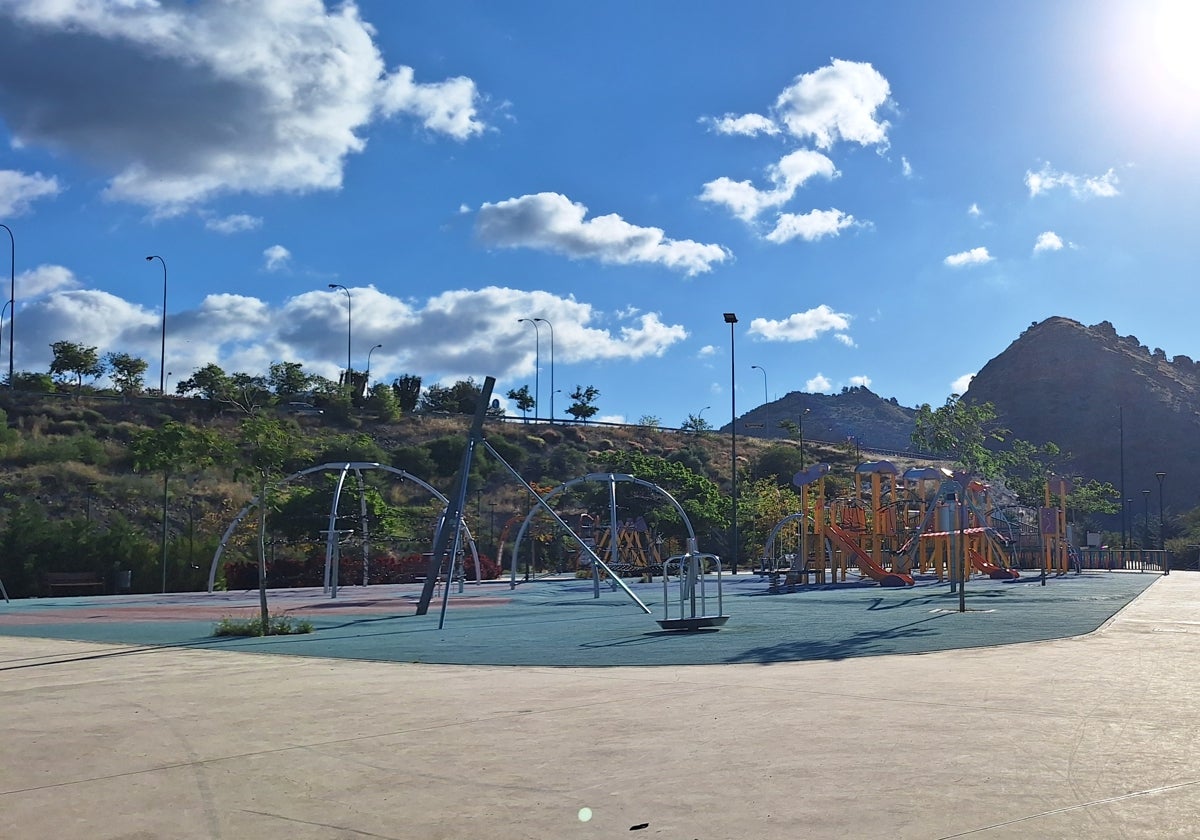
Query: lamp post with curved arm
[(12, 298), (369, 352), (162, 359), (349, 379), (4, 309), (537, 364), (551, 326), (766, 399)]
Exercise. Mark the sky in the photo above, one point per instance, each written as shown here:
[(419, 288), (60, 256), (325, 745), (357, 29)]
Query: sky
[(884, 194)]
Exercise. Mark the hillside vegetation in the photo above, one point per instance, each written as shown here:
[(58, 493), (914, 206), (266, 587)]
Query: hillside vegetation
[(73, 500)]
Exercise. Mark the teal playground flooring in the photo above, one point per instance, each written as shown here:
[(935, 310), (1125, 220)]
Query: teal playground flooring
[(557, 622)]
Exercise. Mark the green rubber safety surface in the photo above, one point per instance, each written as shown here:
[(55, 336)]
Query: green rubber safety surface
[(558, 622)]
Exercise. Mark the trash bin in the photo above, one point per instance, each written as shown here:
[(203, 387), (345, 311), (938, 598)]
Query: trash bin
[(124, 580)]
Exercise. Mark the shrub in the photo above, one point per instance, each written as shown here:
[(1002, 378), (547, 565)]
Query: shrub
[(279, 625)]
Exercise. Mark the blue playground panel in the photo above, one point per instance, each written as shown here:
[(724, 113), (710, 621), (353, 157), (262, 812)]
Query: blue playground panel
[(558, 623)]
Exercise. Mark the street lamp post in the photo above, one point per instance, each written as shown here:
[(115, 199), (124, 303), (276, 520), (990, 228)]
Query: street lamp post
[(162, 358), (800, 429), (731, 319), (1121, 445), (1162, 527), (700, 418), (537, 364), (368, 374), (1127, 513), (551, 326), (12, 298), (349, 380), (1146, 520), (5, 308), (766, 399)]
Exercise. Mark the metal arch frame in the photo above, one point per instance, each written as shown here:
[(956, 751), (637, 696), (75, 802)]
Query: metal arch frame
[(613, 479), (769, 546), (331, 538)]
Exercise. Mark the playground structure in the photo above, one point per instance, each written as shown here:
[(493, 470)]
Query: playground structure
[(927, 521), (628, 546), (332, 534)]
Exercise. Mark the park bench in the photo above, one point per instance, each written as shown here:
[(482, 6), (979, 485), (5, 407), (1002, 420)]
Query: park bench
[(78, 583)]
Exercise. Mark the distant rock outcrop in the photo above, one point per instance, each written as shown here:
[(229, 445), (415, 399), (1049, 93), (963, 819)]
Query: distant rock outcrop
[(1098, 396), (857, 413)]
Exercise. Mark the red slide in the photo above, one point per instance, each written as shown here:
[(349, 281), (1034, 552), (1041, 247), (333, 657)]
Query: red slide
[(991, 570), (866, 565)]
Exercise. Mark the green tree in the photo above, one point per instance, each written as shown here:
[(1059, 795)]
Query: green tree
[(963, 430), (38, 383), (127, 372), (695, 424), (522, 398), (408, 391), (778, 463), (268, 446), (584, 406), (76, 360), (382, 401), (210, 382), (172, 448), (247, 393), (286, 379), (459, 398)]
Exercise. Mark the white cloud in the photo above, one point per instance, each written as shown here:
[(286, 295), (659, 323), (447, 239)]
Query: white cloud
[(43, 280), (845, 339), (1048, 241), (976, 256), (456, 334), (746, 201), (448, 107), (959, 386), (1080, 186), (974, 210), (818, 385), (552, 222), (202, 99), (276, 257), (238, 223), (810, 226), (18, 191), (905, 167), (860, 381), (802, 326), (837, 102), (747, 125)]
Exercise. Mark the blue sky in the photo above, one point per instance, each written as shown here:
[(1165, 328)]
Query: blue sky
[(885, 194)]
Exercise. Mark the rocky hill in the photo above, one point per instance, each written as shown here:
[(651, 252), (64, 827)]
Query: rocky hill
[(1105, 399), (856, 414)]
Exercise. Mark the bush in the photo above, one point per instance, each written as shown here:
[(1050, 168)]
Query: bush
[(276, 626)]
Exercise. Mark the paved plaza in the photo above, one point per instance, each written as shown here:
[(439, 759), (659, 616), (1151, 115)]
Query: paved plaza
[(170, 735)]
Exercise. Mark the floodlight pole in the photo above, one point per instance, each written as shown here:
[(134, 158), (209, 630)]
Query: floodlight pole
[(12, 303), (731, 319)]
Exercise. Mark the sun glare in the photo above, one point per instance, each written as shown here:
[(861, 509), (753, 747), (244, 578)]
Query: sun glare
[(1174, 30)]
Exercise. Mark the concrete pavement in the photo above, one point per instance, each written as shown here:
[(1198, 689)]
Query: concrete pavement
[(1093, 736)]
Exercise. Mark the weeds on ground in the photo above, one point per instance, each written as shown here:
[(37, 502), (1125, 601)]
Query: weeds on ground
[(276, 626)]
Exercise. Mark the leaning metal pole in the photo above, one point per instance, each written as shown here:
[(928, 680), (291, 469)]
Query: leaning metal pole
[(454, 507)]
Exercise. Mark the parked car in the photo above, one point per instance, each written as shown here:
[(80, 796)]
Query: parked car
[(302, 408)]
